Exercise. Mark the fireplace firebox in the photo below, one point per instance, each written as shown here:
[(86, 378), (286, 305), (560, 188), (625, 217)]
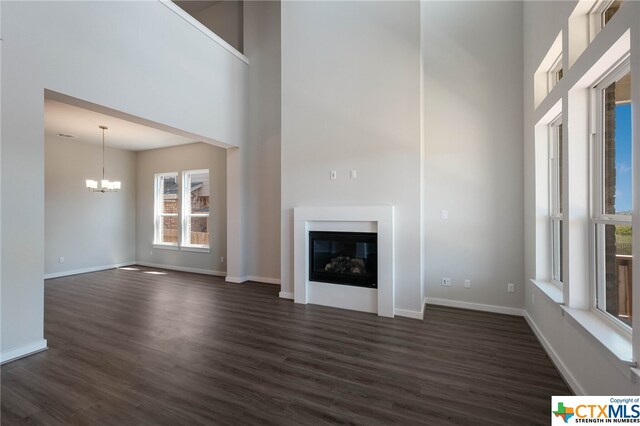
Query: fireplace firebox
[(349, 258)]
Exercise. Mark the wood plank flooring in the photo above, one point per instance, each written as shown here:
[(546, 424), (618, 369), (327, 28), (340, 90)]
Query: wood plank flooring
[(128, 347)]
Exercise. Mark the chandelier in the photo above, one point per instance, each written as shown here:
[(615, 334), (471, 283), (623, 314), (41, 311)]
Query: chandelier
[(105, 185)]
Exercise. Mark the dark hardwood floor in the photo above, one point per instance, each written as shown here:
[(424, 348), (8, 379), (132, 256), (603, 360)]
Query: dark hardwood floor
[(128, 347)]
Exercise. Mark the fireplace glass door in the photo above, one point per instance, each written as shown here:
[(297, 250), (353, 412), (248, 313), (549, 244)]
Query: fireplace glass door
[(349, 258)]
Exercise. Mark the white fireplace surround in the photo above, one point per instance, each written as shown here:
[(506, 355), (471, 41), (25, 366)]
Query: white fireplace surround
[(355, 219)]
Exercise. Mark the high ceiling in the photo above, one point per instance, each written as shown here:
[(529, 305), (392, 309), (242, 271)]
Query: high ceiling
[(83, 124)]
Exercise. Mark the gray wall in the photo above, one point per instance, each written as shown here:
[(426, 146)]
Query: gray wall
[(155, 66), (472, 62), (90, 230), (262, 154), (351, 100), (179, 159)]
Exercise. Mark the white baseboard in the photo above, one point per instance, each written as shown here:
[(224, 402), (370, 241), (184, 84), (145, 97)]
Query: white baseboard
[(408, 314), (263, 279), (23, 351), (475, 306), (555, 358), (237, 280), (412, 314), (240, 280), (286, 295), (182, 269), (86, 270)]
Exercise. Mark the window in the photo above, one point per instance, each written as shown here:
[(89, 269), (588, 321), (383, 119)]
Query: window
[(555, 72), (613, 195), (609, 10), (601, 14), (556, 160), (195, 208), (166, 209), (549, 72), (584, 179)]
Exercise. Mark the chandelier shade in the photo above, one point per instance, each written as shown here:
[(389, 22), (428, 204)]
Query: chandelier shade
[(105, 184)]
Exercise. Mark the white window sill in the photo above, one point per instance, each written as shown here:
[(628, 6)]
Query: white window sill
[(196, 249), (552, 291), (165, 246), (612, 341)]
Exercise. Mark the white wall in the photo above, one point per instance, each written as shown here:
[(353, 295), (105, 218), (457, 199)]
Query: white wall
[(179, 159), (88, 229), (225, 19), (262, 153), (472, 62), (586, 364), (139, 58), (351, 100)]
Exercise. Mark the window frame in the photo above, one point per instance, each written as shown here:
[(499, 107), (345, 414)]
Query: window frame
[(552, 74), (555, 208), (599, 218), (186, 213), (596, 17), (158, 215)]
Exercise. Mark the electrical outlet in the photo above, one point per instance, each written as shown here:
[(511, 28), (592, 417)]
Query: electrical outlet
[(222, 259), (444, 214), (446, 282), (467, 283), (61, 260), (333, 175), (354, 174), (511, 288)]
